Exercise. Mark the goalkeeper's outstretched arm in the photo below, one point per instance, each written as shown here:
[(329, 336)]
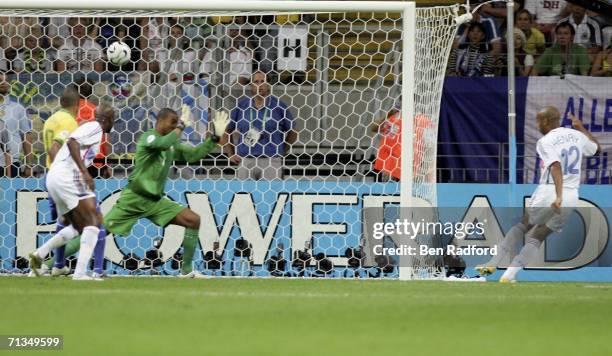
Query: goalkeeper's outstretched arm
[(194, 154), (219, 137)]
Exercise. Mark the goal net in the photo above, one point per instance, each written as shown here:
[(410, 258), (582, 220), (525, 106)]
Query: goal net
[(316, 92)]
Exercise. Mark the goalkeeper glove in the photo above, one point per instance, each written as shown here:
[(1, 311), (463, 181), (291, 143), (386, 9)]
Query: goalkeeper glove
[(220, 122), (185, 118)]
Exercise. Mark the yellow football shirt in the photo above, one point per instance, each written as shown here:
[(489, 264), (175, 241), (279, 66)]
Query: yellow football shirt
[(58, 128), (534, 41)]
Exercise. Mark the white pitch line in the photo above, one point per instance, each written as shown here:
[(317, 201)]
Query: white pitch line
[(110, 291)]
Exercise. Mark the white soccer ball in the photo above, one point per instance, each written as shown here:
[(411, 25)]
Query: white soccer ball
[(118, 53)]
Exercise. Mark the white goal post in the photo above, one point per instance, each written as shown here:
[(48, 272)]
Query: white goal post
[(426, 38)]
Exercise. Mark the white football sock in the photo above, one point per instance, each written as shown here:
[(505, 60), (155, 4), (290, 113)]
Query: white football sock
[(61, 238), (508, 244), (89, 238), (527, 254)]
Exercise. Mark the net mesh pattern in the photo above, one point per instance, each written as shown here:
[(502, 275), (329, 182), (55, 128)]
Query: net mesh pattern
[(290, 209)]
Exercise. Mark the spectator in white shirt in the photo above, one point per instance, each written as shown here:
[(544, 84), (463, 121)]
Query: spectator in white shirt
[(182, 62), (588, 32), (547, 14), (239, 57), (153, 43), (18, 125), (80, 52)]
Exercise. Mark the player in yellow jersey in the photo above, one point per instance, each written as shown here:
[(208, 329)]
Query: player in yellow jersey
[(58, 126), (56, 130)]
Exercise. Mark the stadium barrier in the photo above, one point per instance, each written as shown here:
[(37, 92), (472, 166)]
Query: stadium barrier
[(268, 214)]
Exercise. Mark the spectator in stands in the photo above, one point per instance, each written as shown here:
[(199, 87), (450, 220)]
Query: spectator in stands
[(588, 32), (208, 65), (498, 11), (196, 29), (565, 57), (547, 14), (153, 43), (80, 52), (535, 44), (262, 127), (240, 58), (182, 63), (15, 28), (602, 67), (130, 121), (18, 126), (32, 58), (471, 59), (491, 39), (57, 31), (523, 62)]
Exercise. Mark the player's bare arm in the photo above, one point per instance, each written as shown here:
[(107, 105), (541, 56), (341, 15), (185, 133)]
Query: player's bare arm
[(54, 149), (74, 147), (557, 175), (577, 125)]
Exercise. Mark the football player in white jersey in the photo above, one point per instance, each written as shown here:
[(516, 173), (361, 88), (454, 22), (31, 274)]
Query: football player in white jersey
[(560, 151), (72, 189)]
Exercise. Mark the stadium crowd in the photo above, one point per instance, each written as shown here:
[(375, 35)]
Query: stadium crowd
[(551, 38), (185, 46)]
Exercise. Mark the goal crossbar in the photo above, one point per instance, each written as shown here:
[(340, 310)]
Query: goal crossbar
[(210, 5)]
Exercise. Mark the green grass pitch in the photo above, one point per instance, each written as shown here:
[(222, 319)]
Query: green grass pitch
[(168, 316)]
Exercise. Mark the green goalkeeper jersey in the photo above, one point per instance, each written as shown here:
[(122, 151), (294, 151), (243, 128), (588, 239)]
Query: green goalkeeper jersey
[(154, 156)]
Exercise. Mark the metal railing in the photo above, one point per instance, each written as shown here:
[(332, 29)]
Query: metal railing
[(490, 165)]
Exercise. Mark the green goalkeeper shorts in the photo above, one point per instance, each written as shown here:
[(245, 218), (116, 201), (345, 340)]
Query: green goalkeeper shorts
[(131, 206)]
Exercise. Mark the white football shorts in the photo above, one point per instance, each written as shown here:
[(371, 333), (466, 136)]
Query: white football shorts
[(67, 187), (540, 212)]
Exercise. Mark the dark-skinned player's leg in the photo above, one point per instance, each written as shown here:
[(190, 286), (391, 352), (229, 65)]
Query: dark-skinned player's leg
[(191, 222), (77, 219), (85, 220), (73, 247)]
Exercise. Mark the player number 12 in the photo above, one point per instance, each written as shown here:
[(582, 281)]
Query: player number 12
[(572, 154)]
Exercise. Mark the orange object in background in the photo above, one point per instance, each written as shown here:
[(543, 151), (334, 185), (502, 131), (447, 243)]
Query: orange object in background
[(388, 157), (87, 112)]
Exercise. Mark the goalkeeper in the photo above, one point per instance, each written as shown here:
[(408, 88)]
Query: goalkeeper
[(143, 197)]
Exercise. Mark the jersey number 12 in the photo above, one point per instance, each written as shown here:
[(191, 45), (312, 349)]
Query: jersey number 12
[(570, 160)]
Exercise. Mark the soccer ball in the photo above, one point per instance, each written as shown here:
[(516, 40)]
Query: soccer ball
[(118, 53)]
